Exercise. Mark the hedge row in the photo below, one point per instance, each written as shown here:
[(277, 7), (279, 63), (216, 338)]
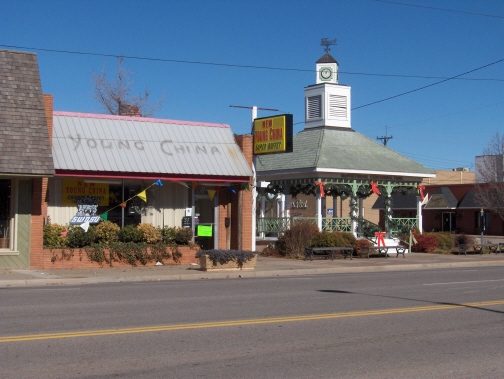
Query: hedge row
[(107, 233)]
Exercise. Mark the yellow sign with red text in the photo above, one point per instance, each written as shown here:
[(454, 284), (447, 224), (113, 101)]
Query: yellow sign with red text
[(75, 188), (273, 134)]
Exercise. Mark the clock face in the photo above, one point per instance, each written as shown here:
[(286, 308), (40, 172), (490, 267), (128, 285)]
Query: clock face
[(325, 73)]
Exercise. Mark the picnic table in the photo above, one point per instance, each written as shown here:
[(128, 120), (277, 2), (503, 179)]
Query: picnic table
[(326, 252), (478, 247), (366, 250)]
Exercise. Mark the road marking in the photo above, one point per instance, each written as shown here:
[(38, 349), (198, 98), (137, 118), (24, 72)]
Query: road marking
[(220, 324), (469, 281)]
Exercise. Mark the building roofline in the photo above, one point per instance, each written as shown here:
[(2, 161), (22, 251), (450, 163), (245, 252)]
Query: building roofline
[(140, 119)]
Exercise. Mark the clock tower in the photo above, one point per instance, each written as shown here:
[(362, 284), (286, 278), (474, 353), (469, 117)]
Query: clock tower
[(327, 103)]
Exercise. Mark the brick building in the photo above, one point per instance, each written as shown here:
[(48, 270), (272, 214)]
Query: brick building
[(75, 169)]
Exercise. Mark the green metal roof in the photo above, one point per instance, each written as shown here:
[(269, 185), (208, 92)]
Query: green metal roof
[(336, 150)]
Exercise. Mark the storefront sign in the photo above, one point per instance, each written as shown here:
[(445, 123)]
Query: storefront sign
[(273, 134), (299, 204), (204, 230), (73, 189), (86, 211)]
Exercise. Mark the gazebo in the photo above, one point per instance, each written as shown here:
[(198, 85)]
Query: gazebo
[(330, 159)]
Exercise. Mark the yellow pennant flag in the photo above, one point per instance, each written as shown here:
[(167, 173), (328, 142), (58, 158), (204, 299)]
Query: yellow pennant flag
[(211, 193), (142, 195)]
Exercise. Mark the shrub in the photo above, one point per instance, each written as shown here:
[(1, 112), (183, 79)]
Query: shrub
[(53, 237), (225, 256), (426, 243), (368, 229), (344, 238), (361, 242), (106, 232), (78, 237), (295, 239), (445, 240), (462, 239), (150, 233), (130, 252), (159, 252), (183, 236), (130, 234), (324, 239), (168, 234)]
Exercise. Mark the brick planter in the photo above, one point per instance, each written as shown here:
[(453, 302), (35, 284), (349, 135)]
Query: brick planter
[(206, 264), (66, 258)]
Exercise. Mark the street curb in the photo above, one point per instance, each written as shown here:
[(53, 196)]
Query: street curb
[(205, 275)]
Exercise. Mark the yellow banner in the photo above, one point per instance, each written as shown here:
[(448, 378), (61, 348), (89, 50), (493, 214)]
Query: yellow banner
[(75, 188)]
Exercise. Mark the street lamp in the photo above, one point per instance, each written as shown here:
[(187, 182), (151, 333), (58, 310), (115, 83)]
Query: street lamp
[(482, 223)]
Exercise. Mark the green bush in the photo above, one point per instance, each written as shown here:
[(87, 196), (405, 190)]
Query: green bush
[(324, 239), (130, 234), (296, 239), (130, 252), (159, 252), (53, 237), (445, 240), (183, 236), (344, 238), (168, 234), (106, 232), (78, 237)]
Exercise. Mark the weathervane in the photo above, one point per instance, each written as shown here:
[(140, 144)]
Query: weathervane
[(327, 42)]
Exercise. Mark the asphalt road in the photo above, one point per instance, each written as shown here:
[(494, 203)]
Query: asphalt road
[(416, 324)]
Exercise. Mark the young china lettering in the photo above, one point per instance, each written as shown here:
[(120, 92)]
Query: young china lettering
[(167, 147)]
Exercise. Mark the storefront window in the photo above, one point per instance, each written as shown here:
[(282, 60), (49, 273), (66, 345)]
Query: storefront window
[(5, 213), (132, 213)]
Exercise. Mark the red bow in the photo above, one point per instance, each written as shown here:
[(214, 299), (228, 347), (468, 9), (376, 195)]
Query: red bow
[(321, 188), (374, 187), (421, 188), (380, 240)]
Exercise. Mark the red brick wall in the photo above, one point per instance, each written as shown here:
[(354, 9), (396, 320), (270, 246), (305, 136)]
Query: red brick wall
[(245, 142), (49, 259), (39, 199)]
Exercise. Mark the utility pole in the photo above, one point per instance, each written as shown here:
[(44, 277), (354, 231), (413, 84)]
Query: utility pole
[(385, 138), (254, 179)]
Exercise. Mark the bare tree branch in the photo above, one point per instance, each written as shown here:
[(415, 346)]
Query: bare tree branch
[(115, 95), (490, 170)]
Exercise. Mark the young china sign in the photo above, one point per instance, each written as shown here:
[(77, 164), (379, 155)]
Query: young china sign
[(273, 134)]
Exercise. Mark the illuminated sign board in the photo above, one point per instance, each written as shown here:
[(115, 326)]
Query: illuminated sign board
[(273, 134), (73, 189)]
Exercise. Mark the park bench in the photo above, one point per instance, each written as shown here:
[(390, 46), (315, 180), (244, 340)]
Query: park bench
[(478, 247), (326, 252), (367, 250)]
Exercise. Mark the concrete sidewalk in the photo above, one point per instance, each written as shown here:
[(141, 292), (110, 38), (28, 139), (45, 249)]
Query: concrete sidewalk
[(266, 267)]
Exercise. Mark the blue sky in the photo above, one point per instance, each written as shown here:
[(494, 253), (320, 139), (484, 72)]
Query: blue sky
[(384, 49)]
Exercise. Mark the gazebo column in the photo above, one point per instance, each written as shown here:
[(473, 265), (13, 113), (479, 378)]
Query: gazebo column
[(419, 214), (286, 206), (388, 208), (388, 213), (353, 214), (319, 211), (262, 210), (361, 212)]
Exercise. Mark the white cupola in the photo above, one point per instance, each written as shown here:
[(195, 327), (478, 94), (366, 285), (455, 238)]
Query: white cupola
[(327, 103)]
